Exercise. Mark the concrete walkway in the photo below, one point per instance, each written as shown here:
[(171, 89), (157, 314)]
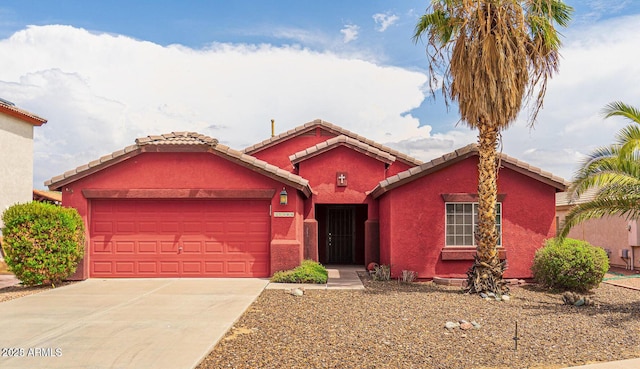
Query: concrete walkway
[(123, 323), (622, 364), (8, 280), (341, 277)]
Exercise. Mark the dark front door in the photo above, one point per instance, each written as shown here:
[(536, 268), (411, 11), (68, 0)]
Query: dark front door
[(341, 235)]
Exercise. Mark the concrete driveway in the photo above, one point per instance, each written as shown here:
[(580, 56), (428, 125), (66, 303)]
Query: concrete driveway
[(122, 323)]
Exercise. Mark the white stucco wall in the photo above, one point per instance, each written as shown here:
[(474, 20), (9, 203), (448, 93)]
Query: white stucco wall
[(16, 162)]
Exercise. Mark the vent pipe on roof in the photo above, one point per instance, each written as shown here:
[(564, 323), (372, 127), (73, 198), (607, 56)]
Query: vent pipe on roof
[(273, 127)]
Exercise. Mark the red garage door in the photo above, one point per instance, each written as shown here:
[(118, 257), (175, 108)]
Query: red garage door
[(179, 238)]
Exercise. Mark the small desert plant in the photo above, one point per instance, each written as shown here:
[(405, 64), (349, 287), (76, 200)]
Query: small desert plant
[(408, 276), (43, 242), (309, 271), (382, 273), (570, 265)]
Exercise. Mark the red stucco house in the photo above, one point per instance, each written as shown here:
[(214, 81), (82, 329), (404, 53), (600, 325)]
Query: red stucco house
[(184, 205)]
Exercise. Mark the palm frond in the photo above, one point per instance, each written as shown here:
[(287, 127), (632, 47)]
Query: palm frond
[(626, 206), (620, 109)]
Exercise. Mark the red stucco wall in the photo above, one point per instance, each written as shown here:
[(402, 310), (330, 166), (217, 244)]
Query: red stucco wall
[(363, 174), (189, 170), (278, 154), (412, 221)]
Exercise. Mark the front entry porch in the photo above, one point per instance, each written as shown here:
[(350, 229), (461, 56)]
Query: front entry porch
[(341, 233)]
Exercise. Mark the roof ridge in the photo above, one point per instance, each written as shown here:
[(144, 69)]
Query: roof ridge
[(342, 140), (455, 156), (182, 139), (177, 138), (336, 129)]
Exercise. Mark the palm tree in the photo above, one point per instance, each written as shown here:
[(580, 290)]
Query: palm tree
[(490, 57), (613, 171)]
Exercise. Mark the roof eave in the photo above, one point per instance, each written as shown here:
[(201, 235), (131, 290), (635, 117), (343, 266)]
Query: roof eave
[(22, 115)]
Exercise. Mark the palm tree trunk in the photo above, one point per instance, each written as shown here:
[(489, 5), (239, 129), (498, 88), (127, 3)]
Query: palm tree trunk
[(486, 273)]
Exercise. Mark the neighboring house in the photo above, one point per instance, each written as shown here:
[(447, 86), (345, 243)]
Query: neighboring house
[(16, 147), (618, 236), (51, 197), (184, 205)]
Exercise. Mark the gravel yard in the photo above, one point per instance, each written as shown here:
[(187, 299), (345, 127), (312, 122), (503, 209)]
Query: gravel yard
[(389, 325)]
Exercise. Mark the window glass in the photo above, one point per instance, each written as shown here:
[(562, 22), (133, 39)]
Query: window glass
[(462, 222)]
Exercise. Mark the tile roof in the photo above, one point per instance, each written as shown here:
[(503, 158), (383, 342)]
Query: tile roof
[(180, 141), (55, 196), (342, 140), (565, 199), (333, 129), (459, 155), (10, 109)]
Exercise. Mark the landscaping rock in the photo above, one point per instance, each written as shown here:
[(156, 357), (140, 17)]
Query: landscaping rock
[(572, 298), (475, 324), (451, 325), (295, 291), (466, 326), (506, 298)]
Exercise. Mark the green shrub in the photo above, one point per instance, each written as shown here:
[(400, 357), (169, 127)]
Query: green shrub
[(43, 242), (570, 265), (308, 272)]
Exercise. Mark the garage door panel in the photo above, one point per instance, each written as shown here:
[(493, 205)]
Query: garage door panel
[(168, 247), (102, 227), (189, 247), (173, 238), (169, 267), (237, 267), (192, 267), (102, 267), (124, 267), (214, 227), (125, 247), (101, 247), (147, 267), (147, 247), (192, 228), (147, 227), (214, 268), (214, 247), (169, 227), (126, 227)]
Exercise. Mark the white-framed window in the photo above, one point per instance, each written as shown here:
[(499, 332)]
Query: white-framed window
[(462, 221)]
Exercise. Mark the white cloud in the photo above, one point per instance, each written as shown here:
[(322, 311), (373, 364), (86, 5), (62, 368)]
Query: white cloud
[(350, 33), (599, 65), (384, 20), (99, 92)]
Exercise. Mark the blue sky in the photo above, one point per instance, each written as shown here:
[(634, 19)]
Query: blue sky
[(106, 72)]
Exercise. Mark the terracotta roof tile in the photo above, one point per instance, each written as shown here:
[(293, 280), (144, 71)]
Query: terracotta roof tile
[(331, 128), (10, 109), (55, 196), (182, 139), (342, 140), (564, 198), (461, 154)]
